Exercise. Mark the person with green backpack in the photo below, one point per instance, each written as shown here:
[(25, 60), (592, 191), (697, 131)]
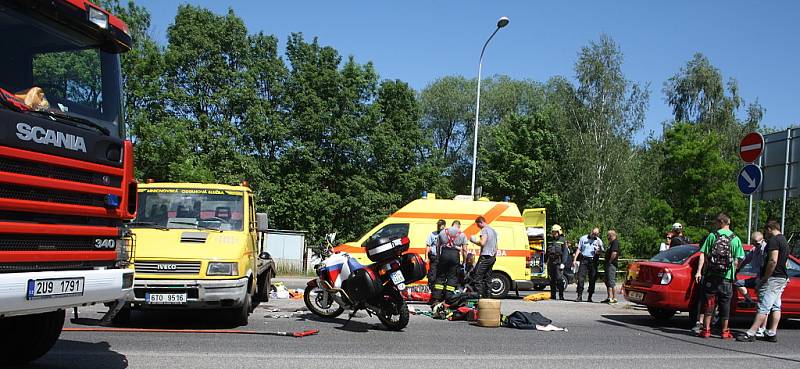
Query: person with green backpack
[(716, 269)]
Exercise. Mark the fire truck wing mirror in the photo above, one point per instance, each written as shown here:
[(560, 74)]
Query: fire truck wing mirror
[(262, 222)]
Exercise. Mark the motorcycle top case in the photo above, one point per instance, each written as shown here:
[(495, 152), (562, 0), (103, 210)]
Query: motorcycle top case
[(385, 248), (413, 267), (362, 285)]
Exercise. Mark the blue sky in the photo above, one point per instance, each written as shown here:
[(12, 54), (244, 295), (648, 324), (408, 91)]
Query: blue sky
[(419, 41)]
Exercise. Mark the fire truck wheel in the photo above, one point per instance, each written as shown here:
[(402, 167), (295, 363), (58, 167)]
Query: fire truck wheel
[(26, 338)]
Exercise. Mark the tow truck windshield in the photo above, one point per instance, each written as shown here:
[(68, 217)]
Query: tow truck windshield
[(190, 208), (61, 73)]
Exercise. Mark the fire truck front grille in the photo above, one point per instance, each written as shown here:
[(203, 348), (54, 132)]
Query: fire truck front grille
[(54, 266), (13, 242), (14, 192), (167, 267), (50, 171)]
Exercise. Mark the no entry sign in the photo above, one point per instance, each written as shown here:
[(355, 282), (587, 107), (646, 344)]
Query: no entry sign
[(751, 147)]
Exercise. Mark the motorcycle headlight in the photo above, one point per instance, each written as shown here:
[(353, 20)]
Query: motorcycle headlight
[(219, 269)]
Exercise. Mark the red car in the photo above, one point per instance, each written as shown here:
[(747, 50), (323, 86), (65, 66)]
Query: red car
[(665, 284)]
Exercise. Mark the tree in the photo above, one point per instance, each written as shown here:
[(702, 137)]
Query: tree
[(596, 122), (697, 94), (698, 182)]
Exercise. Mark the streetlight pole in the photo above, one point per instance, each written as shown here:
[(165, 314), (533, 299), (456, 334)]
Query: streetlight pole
[(502, 22)]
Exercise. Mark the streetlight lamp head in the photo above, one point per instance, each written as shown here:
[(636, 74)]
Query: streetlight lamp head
[(502, 22)]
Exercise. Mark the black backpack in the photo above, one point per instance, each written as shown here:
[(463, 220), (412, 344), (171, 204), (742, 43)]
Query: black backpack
[(720, 256)]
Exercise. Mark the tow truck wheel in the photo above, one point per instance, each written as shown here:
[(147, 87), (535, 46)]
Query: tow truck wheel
[(26, 338), (241, 314)]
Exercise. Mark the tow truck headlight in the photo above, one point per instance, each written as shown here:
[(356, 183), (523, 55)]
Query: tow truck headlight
[(215, 268)]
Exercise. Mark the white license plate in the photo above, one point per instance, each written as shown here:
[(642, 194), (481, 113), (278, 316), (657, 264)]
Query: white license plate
[(635, 295), (397, 277), (165, 298), (61, 287)]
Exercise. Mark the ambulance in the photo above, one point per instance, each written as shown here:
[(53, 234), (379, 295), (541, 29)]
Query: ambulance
[(520, 236)]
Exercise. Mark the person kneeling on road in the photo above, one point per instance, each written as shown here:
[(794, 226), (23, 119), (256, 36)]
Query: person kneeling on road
[(451, 244)]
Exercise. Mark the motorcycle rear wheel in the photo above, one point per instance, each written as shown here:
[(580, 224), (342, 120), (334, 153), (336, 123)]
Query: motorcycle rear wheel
[(394, 312), (315, 303)]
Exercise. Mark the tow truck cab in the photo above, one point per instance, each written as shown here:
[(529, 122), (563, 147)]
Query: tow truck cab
[(198, 246)]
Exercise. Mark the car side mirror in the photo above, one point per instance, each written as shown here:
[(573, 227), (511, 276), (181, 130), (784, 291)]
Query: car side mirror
[(265, 256), (262, 222)]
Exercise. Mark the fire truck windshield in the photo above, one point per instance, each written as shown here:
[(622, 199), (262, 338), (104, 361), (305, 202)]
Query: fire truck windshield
[(65, 74)]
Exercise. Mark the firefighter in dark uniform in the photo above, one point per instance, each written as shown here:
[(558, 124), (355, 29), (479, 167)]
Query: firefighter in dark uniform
[(451, 245), (556, 253)]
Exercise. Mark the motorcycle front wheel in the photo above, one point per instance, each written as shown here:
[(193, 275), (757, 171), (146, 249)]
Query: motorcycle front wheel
[(394, 311), (321, 303)]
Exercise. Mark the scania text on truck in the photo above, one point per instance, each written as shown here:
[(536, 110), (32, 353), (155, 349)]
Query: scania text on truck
[(66, 170), (199, 246)]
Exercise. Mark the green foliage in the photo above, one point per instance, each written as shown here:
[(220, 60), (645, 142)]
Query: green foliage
[(329, 146)]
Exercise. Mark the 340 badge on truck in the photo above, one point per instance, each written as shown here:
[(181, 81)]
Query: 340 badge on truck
[(105, 243)]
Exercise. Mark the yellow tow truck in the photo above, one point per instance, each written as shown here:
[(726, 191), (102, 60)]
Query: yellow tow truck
[(198, 246)]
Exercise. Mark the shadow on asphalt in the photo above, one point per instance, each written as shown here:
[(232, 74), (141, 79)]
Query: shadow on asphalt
[(173, 319), (354, 326), (676, 330), (95, 355)]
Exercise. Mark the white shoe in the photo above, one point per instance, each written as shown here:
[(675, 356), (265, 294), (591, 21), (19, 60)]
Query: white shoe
[(760, 333), (697, 327)]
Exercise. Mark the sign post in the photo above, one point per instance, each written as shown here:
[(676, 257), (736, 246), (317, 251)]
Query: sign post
[(750, 148)]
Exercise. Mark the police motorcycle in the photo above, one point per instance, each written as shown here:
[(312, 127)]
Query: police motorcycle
[(343, 283)]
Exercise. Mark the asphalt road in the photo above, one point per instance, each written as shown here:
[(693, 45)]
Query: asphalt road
[(599, 336)]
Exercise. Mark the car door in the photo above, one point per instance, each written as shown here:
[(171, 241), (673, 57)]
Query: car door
[(790, 301)]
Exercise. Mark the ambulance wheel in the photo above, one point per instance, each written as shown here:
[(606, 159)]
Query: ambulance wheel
[(317, 303), (499, 285)]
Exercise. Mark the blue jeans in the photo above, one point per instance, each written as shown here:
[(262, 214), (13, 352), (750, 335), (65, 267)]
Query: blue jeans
[(769, 295)]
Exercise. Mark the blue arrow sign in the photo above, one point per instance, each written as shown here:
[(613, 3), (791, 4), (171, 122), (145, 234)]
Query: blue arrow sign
[(750, 178)]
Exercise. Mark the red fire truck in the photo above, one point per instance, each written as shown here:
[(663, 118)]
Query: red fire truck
[(66, 170)]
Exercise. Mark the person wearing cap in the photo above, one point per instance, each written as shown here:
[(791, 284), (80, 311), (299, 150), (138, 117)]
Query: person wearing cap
[(678, 238), (431, 245), (556, 254)]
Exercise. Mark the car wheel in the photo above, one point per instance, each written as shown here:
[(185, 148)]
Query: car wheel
[(661, 314)]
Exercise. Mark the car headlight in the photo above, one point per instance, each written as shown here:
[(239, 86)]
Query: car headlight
[(215, 268)]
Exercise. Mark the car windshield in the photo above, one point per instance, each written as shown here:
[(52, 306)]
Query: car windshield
[(175, 208), (675, 255), (61, 73)]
